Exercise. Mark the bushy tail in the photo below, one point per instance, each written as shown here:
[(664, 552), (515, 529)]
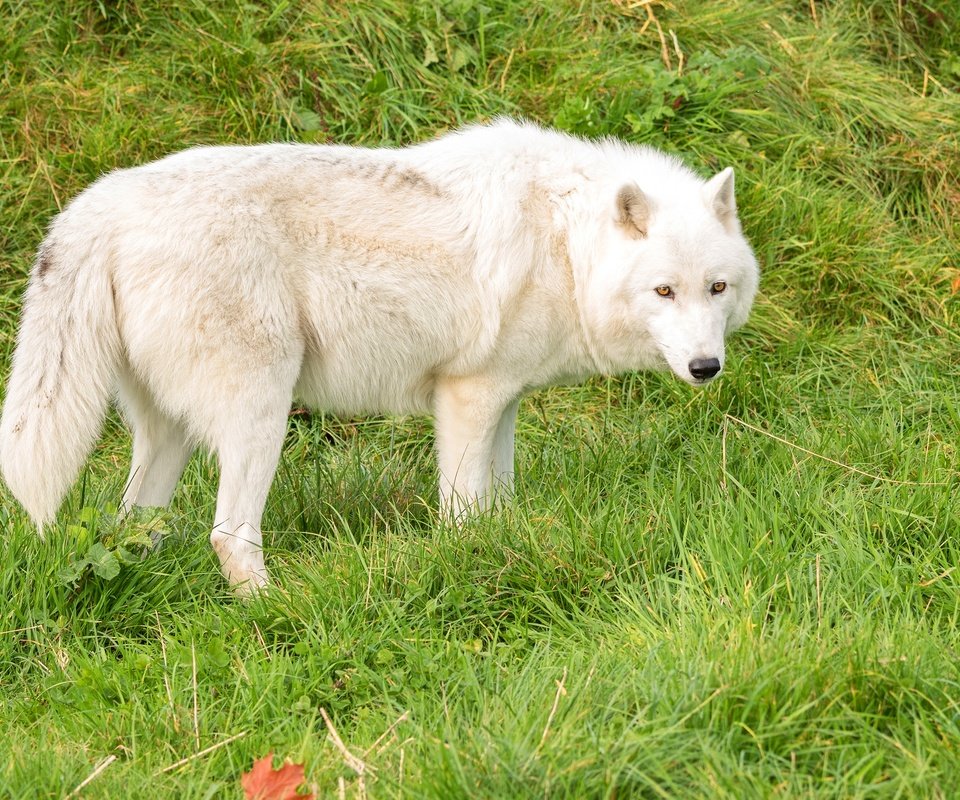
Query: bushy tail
[(63, 373)]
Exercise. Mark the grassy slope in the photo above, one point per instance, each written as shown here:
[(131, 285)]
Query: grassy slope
[(676, 603)]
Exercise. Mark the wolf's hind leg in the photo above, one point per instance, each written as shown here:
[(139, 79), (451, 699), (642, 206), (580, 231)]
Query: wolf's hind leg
[(161, 448), (248, 441)]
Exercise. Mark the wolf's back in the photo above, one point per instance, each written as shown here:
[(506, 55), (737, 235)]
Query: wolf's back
[(64, 366)]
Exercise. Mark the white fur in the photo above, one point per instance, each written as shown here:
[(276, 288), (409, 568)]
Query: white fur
[(209, 288)]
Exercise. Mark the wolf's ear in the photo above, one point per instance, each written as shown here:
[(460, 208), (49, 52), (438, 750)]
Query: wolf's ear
[(633, 210), (719, 197)]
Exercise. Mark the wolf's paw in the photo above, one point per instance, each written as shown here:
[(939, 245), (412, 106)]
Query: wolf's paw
[(255, 586), (241, 564), (247, 583)]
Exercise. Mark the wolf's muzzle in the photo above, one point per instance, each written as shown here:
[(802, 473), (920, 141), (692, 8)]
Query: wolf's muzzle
[(704, 368)]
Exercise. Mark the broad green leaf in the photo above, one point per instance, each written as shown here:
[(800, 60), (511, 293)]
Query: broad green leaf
[(104, 562)]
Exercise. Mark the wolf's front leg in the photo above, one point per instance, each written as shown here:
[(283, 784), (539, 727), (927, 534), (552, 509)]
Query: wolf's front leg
[(474, 425)]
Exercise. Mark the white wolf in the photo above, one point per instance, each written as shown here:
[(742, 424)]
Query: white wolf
[(208, 289)]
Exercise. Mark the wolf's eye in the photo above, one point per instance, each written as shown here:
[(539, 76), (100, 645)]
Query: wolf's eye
[(718, 287), (664, 291)]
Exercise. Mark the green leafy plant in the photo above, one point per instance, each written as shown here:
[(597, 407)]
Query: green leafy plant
[(105, 541)]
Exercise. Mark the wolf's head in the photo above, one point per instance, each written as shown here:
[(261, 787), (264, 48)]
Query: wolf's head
[(671, 275)]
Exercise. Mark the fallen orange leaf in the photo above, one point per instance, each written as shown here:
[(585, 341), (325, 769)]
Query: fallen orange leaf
[(263, 782)]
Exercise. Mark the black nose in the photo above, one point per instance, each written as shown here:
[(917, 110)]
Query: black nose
[(704, 368)]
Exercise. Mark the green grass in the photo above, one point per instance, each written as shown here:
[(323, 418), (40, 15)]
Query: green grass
[(749, 591)]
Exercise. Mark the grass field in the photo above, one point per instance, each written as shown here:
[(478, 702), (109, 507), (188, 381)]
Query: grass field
[(747, 591)]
